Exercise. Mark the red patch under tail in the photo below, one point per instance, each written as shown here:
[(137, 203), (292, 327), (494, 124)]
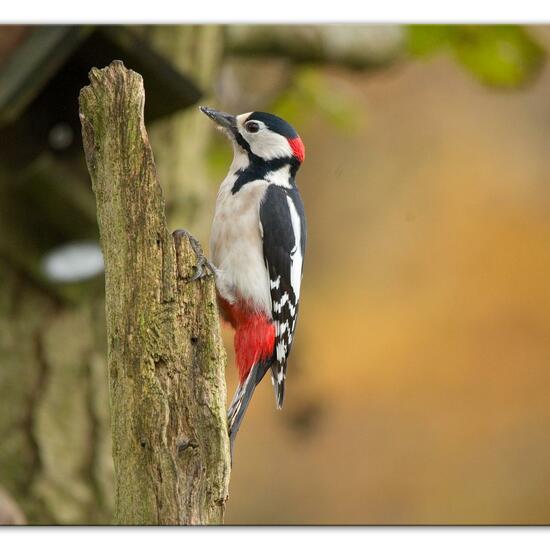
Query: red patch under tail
[(254, 335)]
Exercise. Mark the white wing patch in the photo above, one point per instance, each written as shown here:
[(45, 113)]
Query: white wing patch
[(296, 254), (296, 259)]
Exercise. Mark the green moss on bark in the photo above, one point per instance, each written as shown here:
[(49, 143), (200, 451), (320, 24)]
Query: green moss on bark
[(166, 360)]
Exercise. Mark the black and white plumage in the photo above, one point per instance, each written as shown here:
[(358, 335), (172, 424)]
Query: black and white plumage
[(257, 244), (283, 226)]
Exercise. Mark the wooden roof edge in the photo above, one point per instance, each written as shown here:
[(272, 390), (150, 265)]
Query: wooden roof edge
[(151, 59), (33, 63)]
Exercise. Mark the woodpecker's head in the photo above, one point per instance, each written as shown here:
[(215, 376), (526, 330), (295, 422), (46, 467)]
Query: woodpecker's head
[(262, 136)]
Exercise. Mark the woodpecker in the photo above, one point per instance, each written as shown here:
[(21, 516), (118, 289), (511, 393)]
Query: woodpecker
[(257, 247)]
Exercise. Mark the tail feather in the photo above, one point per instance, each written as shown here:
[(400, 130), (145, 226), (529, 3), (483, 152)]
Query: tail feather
[(245, 390), (278, 376), (241, 400)]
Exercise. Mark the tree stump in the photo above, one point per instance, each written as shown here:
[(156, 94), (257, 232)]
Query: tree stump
[(165, 355)]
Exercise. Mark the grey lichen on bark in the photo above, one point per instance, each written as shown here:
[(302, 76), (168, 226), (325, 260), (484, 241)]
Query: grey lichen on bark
[(165, 354)]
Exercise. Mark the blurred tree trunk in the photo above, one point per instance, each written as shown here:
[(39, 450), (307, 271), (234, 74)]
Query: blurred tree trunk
[(55, 456), (356, 46), (180, 142)]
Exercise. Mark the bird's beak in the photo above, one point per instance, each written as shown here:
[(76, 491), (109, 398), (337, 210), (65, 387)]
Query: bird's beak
[(224, 120)]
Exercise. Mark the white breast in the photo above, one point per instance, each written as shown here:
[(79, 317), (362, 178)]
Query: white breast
[(236, 245)]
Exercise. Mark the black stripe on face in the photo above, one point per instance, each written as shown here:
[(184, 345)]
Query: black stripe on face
[(246, 146)]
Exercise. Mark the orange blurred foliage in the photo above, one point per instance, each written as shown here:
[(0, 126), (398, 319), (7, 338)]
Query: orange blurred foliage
[(418, 389)]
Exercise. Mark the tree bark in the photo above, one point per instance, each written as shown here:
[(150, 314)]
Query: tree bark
[(165, 356)]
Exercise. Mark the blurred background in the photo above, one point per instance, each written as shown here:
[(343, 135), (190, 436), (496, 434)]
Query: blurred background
[(419, 384)]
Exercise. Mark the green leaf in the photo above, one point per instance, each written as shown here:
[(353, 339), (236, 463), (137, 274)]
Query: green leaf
[(497, 55), (423, 40), (504, 56)]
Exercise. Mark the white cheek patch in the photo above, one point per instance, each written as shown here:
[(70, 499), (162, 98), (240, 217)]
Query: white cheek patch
[(269, 145), (265, 144)]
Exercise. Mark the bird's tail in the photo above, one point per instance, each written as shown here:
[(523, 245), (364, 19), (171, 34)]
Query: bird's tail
[(278, 375), (241, 400)]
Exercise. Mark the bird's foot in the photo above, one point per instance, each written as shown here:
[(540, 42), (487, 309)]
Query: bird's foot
[(203, 264)]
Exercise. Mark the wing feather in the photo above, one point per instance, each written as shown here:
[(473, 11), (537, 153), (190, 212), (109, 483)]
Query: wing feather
[(283, 230)]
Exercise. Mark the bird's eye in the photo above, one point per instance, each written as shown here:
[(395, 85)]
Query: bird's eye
[(252, 127)]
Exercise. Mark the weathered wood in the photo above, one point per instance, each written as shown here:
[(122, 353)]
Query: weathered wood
[(166, 359)]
